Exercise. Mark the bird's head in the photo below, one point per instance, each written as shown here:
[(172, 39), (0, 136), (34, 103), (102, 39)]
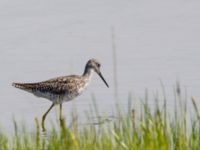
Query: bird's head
[(94, 65)]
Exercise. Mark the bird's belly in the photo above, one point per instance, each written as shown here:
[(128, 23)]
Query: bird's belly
[(55, 98), (70, 96), (50, 96)]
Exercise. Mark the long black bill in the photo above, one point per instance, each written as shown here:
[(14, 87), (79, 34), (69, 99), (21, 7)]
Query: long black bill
[(103, 79)]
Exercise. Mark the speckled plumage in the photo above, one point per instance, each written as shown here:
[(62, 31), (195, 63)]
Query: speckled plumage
[(57, 90), (62, 89)]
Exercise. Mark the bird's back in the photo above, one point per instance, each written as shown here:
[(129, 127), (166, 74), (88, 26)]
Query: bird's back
[(63, 88)]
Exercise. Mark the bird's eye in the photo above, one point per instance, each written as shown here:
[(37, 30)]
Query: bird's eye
[(98, 65)]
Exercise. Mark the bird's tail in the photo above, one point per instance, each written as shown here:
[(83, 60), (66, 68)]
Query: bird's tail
[(23, 86), (19, 85)]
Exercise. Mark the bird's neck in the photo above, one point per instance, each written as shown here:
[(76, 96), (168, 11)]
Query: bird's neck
[(88, 73)]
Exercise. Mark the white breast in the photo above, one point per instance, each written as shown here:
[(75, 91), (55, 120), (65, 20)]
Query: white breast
[(83, 88), (80, 88)]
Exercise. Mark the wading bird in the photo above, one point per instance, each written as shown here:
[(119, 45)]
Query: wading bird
[(62, 89)]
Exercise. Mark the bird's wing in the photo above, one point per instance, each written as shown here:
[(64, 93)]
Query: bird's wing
[(60, 85)]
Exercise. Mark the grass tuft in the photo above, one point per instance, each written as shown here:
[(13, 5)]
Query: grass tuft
[(157, 129)]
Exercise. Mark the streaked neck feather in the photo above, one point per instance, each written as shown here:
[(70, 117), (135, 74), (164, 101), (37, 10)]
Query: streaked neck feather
[(88, 73)]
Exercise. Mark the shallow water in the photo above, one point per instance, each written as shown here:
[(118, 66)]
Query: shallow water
[(155, 41)]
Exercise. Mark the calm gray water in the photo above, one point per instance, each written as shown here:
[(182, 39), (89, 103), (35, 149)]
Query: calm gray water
[(43, 39)]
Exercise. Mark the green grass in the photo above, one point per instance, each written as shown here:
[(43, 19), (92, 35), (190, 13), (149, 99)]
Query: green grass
[(158, 129)]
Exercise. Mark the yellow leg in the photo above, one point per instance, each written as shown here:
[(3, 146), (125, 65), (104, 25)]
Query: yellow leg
[(61, 112), (44, 116), (62, 121)]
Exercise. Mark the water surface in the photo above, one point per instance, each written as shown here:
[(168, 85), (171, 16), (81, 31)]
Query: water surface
[(43, 39)]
